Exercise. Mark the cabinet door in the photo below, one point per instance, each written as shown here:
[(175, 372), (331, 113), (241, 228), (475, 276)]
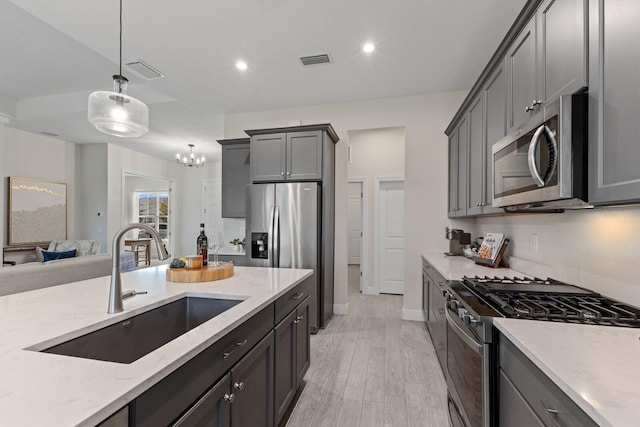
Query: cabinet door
[(521, 70), (285, 364), (614, 90), (268, 157), (212, 409), (304, 156), (453, 173), (252, 387), (425, 296), (476, 178), (561, 48), (463, 166), (495, 121), (303, 340), (236, 173), (514, 409)]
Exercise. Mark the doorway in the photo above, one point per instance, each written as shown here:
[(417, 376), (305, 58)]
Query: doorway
[(355, 225), (390, 209)]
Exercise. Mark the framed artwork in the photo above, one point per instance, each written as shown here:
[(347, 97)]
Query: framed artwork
[(37, 211)]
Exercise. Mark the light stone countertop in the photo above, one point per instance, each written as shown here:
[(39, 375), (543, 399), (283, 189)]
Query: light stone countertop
[(48, 389), (596, 366), (455, 267)]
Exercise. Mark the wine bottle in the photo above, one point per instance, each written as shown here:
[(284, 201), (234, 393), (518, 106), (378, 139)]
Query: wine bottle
[(202, 245)]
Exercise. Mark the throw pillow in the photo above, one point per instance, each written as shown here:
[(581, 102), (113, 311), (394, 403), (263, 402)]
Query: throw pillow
[(49, 256), (39, 251)]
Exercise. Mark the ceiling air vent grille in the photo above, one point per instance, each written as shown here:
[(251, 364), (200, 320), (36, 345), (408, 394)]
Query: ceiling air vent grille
[(144, 70), (315, 59)]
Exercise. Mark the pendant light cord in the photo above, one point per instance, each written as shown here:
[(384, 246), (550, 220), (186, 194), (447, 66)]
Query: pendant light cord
[(120, 40)]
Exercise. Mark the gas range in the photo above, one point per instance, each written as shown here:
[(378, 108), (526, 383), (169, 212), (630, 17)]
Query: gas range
[(544, 299)]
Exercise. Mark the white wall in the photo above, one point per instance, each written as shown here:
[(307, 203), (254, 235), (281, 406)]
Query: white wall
[(375, 153), (91, 161), (3, 185), (596, 249), (424, 118), (30, 155)]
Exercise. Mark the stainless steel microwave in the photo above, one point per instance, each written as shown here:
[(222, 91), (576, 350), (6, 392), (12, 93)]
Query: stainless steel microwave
[(542, 166)]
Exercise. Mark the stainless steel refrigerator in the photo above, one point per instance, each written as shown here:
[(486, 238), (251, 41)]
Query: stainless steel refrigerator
[(284, 228)]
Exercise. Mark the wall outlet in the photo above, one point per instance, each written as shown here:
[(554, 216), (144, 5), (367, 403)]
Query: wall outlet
[(533, 243)]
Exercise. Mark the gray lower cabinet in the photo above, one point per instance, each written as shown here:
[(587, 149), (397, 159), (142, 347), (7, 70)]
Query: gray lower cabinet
[(292, 349), (212, 409), (236, 175), (436, 320), (614, 82), (527, 397)]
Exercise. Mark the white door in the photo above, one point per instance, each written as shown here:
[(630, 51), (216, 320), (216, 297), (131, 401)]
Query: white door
[(391, 232), (354, 214)]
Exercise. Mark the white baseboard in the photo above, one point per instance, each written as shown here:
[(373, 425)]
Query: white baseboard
[(414, 315), (341, 308)]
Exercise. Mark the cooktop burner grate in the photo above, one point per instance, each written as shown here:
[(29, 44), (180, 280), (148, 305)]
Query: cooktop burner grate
[(549, 299)]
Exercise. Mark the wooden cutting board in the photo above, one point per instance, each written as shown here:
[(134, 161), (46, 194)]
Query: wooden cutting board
[(207, 273)]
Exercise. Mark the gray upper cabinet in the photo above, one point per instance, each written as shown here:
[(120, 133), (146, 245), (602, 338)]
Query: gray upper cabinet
[(300, 153), (522, 100), (476, 181), (453, 173), (614, 110), (268, 157), (562, 48), (235, 176), (495, 122), (458, 143)]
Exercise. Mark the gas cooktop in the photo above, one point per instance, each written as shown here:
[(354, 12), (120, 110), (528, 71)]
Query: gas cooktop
[(548, 299)]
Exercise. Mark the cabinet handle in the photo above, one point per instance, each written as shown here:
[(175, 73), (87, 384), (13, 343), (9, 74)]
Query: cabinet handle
[(289, 173), (229, 398), (238, 386), (238, 345), (298, 319), (297, 296), (533, 106), (554, 414), (281, 173)]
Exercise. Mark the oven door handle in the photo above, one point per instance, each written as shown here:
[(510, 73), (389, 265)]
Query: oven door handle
[(468, 339), (552, 146)]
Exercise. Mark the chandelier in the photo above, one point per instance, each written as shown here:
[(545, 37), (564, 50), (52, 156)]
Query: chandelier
[(191, 159), (116, 113)]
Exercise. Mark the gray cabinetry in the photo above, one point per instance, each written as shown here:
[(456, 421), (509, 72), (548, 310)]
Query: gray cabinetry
[(458, 169), (300, 153), (435, 285), (476, 182), (212, 409), (453, 174), (614, 91), (528, 397), (236, 174), (522, 77)]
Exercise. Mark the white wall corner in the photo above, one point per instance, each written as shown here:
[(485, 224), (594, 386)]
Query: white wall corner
[(413, 315), (341, 308)]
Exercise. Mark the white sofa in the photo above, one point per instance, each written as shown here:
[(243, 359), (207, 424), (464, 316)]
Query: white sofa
[(36, 275)]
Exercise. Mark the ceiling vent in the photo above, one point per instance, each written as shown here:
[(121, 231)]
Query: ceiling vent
[(315, 59), (143, 70)]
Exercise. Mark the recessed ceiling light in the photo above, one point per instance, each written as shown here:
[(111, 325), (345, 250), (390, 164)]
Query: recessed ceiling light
[(241, 65), (368, 48)]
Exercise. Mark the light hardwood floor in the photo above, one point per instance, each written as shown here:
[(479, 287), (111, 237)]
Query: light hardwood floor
[(371, 368)]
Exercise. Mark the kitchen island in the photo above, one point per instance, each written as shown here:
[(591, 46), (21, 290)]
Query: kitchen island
[(48, 389)]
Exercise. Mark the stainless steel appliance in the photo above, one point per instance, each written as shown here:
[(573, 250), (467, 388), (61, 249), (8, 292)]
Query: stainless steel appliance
[(472, 359), (542, 166), (284, 229), (457, 241)]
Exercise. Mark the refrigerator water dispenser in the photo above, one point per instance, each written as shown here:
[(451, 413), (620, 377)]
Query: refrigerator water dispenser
[(260, 245)]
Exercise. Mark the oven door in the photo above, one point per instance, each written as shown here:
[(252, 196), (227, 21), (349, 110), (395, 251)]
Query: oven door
[(468, 376)]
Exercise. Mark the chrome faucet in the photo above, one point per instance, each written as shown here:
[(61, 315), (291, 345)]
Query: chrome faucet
[(115, 291)]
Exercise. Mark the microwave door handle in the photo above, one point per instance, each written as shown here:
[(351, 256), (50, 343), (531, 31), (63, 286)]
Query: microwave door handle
[(553, 155)]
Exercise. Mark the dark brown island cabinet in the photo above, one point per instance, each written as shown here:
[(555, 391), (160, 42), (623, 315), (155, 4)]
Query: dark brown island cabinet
[(248, 378)]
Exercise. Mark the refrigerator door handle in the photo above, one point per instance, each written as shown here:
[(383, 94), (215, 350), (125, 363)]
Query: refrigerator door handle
[(276, 237), (270, 251)]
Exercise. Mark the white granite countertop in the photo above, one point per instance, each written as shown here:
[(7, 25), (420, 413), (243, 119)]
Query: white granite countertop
[(48, 389), (596, 366), (455, 267)]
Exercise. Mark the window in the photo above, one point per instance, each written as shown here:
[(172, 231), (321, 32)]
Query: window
[(153, 210)]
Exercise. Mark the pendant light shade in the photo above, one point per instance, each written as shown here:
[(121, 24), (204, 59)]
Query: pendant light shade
[(116, 113)]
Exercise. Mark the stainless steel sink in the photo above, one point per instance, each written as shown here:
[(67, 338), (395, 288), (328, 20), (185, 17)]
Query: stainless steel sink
[(129, 340)]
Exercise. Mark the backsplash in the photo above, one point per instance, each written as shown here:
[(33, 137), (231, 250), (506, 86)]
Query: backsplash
[(598, 249)]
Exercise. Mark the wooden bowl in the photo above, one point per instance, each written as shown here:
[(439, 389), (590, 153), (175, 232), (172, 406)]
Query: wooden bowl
[(194, 262)]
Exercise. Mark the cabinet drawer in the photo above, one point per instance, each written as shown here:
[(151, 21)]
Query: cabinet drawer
[(211, 409), (514, 409), (293, 298), (164, 402), (549, 403)]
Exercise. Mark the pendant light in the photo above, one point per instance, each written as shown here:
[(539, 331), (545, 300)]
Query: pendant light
[(116, 113)]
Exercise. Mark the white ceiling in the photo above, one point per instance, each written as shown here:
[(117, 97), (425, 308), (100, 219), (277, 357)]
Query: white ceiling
[(54, 53)]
